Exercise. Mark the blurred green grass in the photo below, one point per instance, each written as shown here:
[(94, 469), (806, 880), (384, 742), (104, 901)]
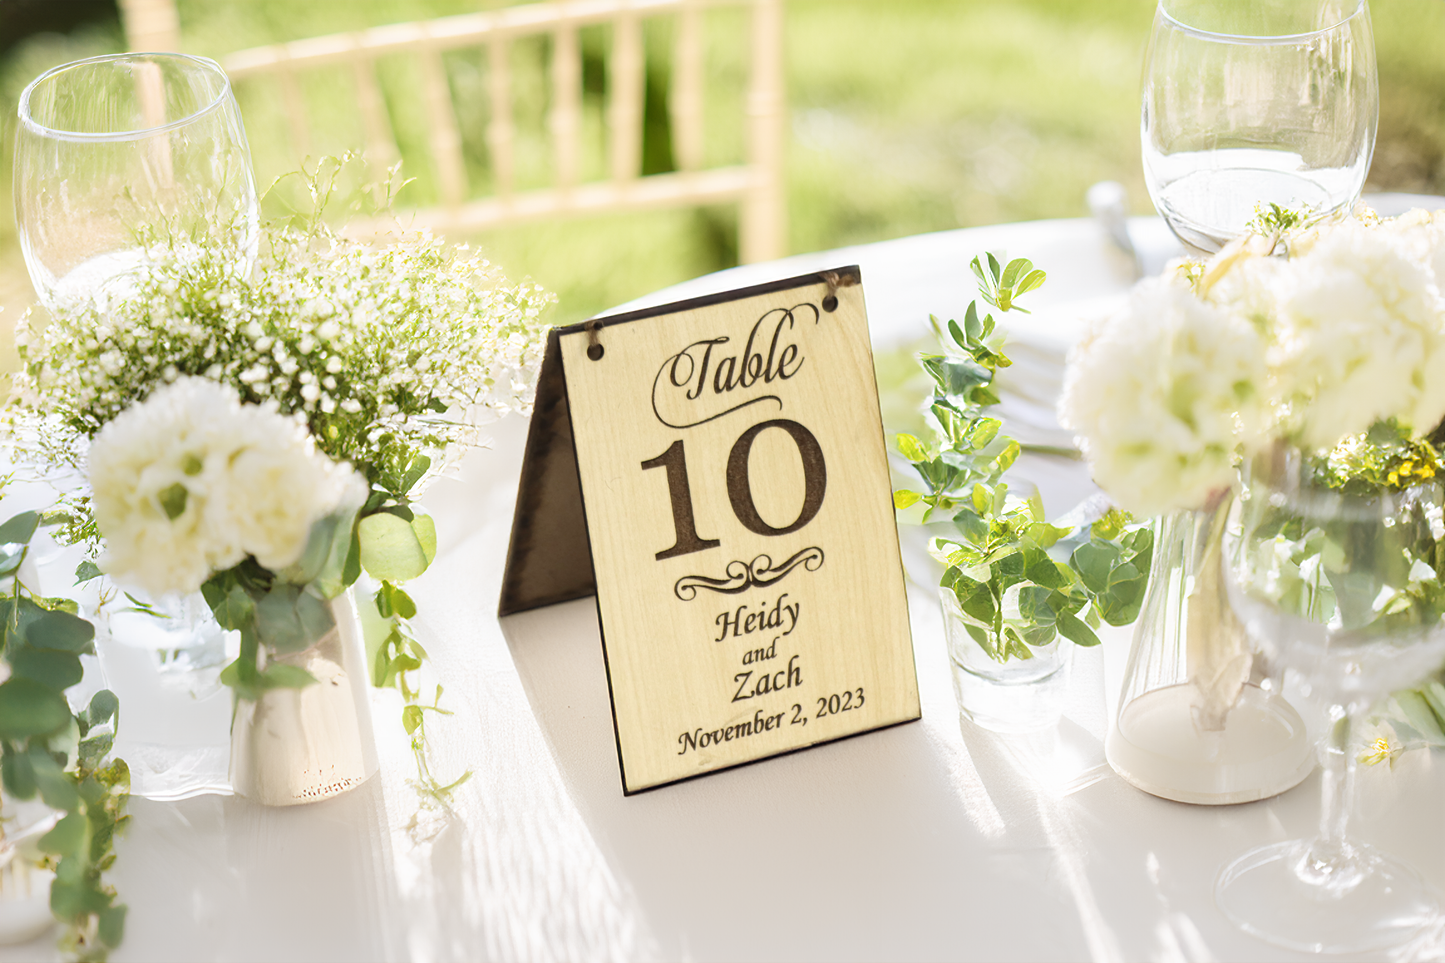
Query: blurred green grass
[(905, 116)]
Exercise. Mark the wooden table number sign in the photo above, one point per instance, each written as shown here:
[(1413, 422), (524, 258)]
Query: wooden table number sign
[(715, 471)]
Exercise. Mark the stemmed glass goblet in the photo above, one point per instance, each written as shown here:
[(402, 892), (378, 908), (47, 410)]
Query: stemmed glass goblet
[(121, 157), (1335, 587), (1251, 103)]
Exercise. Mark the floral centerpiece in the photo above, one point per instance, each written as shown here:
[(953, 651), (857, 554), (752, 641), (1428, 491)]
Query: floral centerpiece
[(1315, 337), (260, 436), (1308, 352)]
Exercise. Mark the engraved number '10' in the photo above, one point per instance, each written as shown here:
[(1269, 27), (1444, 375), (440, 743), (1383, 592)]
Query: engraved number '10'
[(740, 491)]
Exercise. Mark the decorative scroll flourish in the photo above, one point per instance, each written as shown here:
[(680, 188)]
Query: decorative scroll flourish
[(742, 576)]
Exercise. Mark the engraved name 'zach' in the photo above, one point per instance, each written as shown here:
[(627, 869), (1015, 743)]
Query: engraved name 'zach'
[(687, 384), (742, 622), (752, 683)]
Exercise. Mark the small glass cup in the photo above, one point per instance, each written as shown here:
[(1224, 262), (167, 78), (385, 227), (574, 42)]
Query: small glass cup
[(117, 156), (1019, 695)]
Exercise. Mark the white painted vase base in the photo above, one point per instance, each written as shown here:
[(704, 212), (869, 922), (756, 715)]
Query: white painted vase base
[(1262, 751)]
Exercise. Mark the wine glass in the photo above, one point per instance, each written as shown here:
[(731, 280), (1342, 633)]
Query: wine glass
[(120, 158), (1336, 588), (1248, 104)]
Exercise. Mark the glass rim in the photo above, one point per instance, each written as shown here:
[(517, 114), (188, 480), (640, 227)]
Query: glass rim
[(1360, 7), (205, 63)]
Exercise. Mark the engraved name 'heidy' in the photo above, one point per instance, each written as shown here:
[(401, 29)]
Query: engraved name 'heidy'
[(743, 622), (693, 372)]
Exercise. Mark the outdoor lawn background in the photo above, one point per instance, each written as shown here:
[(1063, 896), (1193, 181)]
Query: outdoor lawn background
[(905, 116)]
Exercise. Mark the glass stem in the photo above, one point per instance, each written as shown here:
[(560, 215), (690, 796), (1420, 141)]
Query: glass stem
[(1329, 861), (1337, 790)]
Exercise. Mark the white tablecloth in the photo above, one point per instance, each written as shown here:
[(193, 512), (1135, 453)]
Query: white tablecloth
[(935, 840)]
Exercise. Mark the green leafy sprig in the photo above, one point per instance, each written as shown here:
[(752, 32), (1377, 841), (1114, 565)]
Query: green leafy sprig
[(1020, 582), (62, 756)]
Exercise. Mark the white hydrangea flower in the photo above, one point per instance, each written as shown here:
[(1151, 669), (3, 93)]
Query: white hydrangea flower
[(1360, 328), (191, 481), (1422, 233), (1162, 395)]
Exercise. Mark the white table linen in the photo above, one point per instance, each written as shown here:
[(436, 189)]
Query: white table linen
[(934, 840)]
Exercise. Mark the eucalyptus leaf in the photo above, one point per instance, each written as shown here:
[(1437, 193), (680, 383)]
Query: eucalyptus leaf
[(903, 499), (1016, 269), (67, 897), (94, 749), (983, 432), (1076, 630), (66, 838), (959, 337), (55, 786), (19, 529), (103, 706), (399, 601), (19, 775), (55, 670), (62, 631), (1034, 279), (911, 448), (110, 926), (29, 708), (233, 607), (418, 468), (289, 619), (391, 549)]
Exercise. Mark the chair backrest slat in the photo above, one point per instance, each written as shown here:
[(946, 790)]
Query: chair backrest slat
[(376, 127), (566, 117), (151, 24), (762, 226), (295, 106), (500, 131), (444, 140), (685, 104), (625, 83)]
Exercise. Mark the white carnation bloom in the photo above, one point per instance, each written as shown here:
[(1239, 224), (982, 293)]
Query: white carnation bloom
[(1360, 327), (279, 486), (190, 481), (1162, 396)]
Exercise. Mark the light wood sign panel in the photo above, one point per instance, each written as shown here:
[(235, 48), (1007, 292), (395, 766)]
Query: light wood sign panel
[(731, 476)]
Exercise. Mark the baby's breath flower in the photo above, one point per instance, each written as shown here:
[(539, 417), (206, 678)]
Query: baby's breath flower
[(409, 342)]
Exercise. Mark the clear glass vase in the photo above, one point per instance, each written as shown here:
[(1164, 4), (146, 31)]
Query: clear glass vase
[(163, 658), (183, 733), (1193, 724), (1019, 695)]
